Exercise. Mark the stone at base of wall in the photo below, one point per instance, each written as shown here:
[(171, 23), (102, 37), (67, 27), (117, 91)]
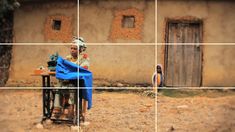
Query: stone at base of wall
[(27, 83), (96, 83), (109, 83)]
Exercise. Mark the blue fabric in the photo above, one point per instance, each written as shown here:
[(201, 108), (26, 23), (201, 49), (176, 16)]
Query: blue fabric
[(86, 87), (67, 70)]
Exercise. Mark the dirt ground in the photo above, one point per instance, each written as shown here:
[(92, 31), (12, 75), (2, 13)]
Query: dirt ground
[(122, 112), (211, 112), (21, 110)]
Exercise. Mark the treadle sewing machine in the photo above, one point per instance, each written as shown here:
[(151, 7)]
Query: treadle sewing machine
[(49, 96), (61, 97), (57, 96)]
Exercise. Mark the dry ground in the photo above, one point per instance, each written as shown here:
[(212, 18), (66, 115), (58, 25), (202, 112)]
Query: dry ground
[(213, 111), (21, 110)]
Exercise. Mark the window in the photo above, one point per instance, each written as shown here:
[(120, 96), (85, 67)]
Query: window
[(58, 28), (56, 25), (128, 22)]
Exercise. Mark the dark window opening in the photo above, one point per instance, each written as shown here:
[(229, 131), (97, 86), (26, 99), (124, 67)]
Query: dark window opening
[(56, 25), (128, 22)]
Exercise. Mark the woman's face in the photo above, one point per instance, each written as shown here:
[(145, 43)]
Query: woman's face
[(74, 50)]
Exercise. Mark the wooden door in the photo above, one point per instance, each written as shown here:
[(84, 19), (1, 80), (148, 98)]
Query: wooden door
[(183, 59)]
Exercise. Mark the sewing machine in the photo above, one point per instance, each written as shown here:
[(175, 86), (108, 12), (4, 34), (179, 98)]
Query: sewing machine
[(49, 95), (52, 62)]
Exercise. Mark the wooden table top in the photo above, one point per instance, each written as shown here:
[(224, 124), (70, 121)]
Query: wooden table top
[(44, 74)]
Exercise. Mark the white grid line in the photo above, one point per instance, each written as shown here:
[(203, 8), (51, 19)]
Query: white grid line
[(120, 88), (119, 44), (78, 33), (155, 87), (124, 88)]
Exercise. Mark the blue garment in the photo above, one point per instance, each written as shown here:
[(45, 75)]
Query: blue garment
[(86, 87), (67, 70)]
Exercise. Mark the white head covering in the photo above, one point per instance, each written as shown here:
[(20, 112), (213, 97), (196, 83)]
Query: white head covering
[(79, 42)]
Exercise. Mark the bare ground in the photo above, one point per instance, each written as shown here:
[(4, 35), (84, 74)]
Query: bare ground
[(196, 114), (21, 110), (121, 112)]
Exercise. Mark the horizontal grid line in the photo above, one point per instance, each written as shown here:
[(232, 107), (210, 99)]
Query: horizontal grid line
[(137, 88), (116, 44), (88, 44)]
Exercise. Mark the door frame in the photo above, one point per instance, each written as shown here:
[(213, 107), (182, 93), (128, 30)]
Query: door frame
[(186, 19), (164, 49)]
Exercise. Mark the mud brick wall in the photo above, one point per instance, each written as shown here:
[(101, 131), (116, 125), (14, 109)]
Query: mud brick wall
[(65, 32), (218, 65), (120, 32), (101, 21), (33, 22)]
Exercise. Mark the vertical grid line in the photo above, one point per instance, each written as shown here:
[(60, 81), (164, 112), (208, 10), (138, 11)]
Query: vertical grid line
[(155, 86), (78, 101)]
